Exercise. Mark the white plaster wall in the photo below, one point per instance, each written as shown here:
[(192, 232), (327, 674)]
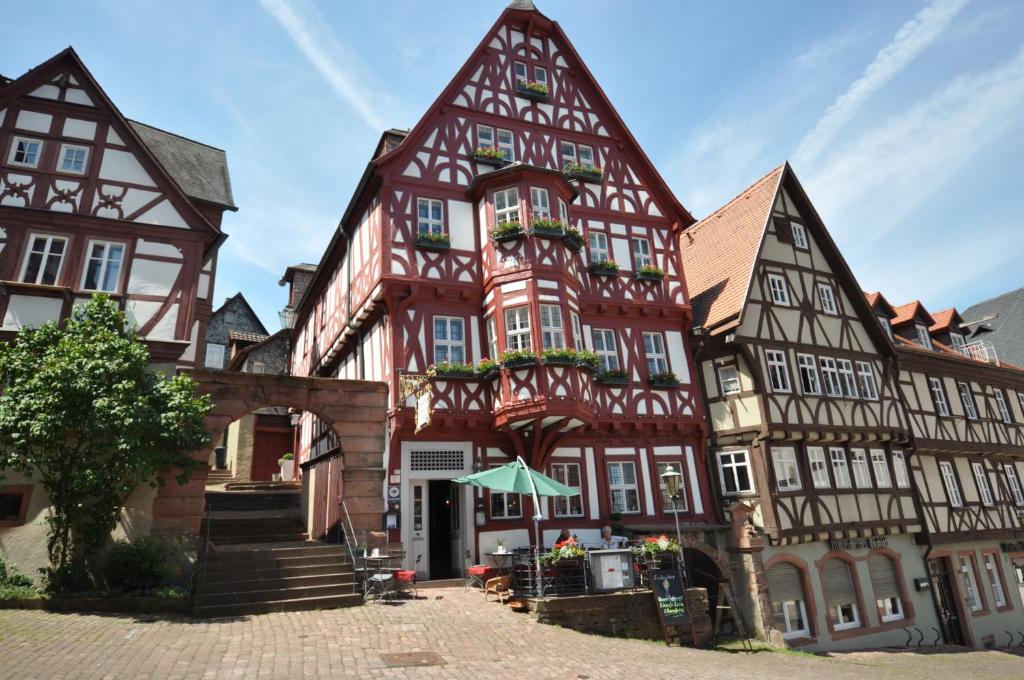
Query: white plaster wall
[(150, 277), (33, 122), (122, 166), (31, 311), (460, 225)]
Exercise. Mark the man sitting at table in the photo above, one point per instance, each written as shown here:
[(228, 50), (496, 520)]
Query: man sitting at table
[(609, 542), (565, 538)]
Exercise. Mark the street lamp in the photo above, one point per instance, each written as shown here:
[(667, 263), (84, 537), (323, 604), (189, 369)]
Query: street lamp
[(287, 317), (672, 479)]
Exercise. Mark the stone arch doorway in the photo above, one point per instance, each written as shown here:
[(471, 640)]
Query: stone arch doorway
[(355, 409), (704, 572)]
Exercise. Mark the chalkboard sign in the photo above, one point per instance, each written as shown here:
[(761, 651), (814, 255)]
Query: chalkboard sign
[(668, 597)]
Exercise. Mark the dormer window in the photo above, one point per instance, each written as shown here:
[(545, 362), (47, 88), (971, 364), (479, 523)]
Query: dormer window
[(25, 152), (886, 325), (958, 342), (924, 338)]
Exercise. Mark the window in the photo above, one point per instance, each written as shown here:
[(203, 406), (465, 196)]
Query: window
[(641, 253), (654, 351), (568, 474), (924, 338), (959, 344), (886, 588), (214, 356), (506, 205), (881, 467), (552, 333), (840, 470), (734, 470), (846, 378), (787, 475), (799, 235), (995, 578), (666, 499), (1020, 401), (830, 375), (586, 156), (1014, 483), (577, 332), (840, 594), (604, 345), (73, 158), (598, 247), (729, 379), (778, 371), (505, 146), (521, 73), (786, 589), (539, 203), (506, 505), (951, 484), (981, 481), (1004, 412), (10, 508), (809, 382), (886, 325), (563, 212), (967, 399), (449, 339), (899, 466), (779, 289), (517, 329), (103, 268), (970, 585), (861, 474), (866, 375), (257, 367), (43, 260), (939, 396), (25, 152), (828, 299), (540, 75), (484, 137), (568, 153), (819, 468), (431, 216), (622, 485), (492, 337)]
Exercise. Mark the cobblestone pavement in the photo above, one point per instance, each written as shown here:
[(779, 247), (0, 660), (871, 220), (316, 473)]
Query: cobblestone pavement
[(476, 640)]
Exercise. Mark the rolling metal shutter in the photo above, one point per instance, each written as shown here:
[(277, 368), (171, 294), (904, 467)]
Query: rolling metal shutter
[(785, 584), (883, 577), (838, 582)]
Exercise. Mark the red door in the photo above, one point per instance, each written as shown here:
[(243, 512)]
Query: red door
[(272, 438)]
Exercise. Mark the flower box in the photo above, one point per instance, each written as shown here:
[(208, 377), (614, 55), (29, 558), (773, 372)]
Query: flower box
[(612, 378), (488, 369), (504, 232), (518, 359), (437, 242), (545, 228), (573, 239), (588, 360), (533, 91), (491, 157), (650, 274), (583, 173), (606, 268), (560, 357), (666, 379)]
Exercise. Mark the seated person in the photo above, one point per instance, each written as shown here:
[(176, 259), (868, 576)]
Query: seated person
[(565, 538), (608, 541)]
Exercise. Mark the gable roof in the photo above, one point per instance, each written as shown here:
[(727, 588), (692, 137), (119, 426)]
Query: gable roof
[(946, 320), (238, 359), (199, 169), (910, 311), (1003, 319), (241, 298), (719, 278), (877, 301)]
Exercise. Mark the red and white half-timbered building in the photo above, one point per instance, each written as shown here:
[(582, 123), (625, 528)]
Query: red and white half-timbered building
[(517, 223)]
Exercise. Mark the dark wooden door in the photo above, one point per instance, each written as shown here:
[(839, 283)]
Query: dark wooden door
[(945, 599), (272, 438)]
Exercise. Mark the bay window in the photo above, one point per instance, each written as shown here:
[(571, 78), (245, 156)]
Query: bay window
[(517, 329)]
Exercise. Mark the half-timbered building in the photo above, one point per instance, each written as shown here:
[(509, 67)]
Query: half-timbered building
[(966, 411), (809, 439), (518, 222), (91, 202)]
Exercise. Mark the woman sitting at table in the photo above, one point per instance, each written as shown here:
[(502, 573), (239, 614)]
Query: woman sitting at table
[(609, 542), (565, 538)]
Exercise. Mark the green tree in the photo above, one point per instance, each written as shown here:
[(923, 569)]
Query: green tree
[(83, 412)]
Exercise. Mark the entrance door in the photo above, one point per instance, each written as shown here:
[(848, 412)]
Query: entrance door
[(443, 516), (1018, 568), (418, 531), (949, 615), (272, 438)]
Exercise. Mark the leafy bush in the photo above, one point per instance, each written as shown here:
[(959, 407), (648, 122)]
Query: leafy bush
[(518, 356), (652, 271), (288, 456), (431, 237), (610, 266), (545, 225), (577, 169), (489, 152), (486, 365), (501, 229), (612, 375), (664, 378), (586, 358), (532, 86), (138, 565), (15, 585)]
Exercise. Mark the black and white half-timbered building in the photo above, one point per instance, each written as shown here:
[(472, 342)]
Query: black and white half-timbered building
[(808, 435)]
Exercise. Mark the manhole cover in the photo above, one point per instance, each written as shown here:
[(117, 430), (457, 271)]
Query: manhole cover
[(400, 659)]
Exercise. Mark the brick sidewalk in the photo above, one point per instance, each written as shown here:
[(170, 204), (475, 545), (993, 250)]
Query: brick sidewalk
[(475, 640)]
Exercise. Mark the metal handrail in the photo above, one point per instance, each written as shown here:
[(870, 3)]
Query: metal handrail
[(203, 557), (350, 534)]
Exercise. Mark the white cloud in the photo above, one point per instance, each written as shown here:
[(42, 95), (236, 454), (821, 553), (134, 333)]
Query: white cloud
[(714, 164), (912, 38), (330, 58)]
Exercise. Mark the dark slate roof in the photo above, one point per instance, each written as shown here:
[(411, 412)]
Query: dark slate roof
[(522, 4), (200, 170), (1000, 321)]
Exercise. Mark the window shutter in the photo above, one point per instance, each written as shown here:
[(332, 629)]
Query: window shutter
[(783, 232), (785, 584), (883, 577), (838, 582)]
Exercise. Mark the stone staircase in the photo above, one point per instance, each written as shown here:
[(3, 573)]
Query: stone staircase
[(260, 560), (219, 477)]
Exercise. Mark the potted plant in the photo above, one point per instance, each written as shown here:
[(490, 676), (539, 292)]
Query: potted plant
[(487, 369), (568, 552), (518, 358), (613, 377), (657, 551), (562, 356), (546, 228), (588, 360), (586, 173), (449, 370), (490, 156), (428, 240), (664, 379), (573, 239), (506, 231), (287, 463), (604, 268), (650, 273), (530, 89)]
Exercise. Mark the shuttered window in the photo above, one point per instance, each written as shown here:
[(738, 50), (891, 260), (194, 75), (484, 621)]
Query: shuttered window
[(887, 592), (786, 589), (840, 595)]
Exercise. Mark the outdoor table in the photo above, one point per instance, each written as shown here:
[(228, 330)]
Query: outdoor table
[(500, 560), (381, 582)]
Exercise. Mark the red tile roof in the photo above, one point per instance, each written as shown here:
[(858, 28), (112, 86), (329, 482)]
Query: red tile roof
[(945, 320), (720, 250), (907, 312)]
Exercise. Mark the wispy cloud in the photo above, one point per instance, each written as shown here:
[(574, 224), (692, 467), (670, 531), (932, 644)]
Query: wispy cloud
[(912, 38), (330, 58)]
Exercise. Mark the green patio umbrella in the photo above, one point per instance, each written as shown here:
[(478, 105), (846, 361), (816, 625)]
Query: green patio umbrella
[(518, 477)]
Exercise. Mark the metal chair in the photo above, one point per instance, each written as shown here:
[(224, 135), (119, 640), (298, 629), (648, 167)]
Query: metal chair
[(381, 582), (476, 574)]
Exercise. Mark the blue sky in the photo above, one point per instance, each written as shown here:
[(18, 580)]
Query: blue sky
[(902, 119)]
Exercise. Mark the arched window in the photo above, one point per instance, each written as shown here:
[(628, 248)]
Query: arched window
[(886, 588), (786, 589), (840, 594)]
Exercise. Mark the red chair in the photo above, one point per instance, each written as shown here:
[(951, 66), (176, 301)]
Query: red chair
[(405, 579), (477, 574)]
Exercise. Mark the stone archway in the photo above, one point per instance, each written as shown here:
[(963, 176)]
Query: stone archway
[(355, 409)]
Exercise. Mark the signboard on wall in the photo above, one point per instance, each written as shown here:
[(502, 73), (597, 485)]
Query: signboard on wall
[(668, 599)]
